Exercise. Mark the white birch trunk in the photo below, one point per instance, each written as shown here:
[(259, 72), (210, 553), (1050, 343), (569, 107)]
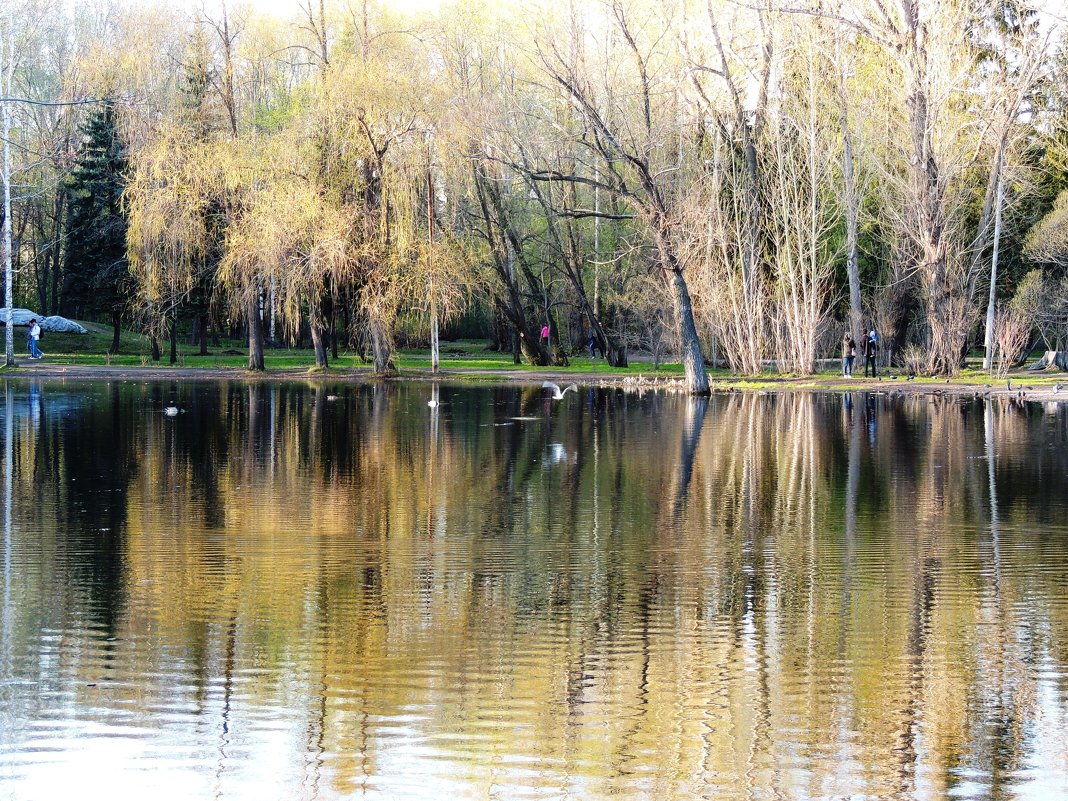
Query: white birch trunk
[(988, 357)]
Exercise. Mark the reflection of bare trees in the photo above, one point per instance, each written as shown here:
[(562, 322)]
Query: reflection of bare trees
[(787, 595)]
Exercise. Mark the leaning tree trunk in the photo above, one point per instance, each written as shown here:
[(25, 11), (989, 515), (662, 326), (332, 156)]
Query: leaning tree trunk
[(692, 360), (255, 334), (614, 352)]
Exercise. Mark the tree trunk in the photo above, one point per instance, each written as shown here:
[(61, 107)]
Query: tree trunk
[(174, 340), (318, 335), (346, 324), (927, 196), (203, 317), (692, 360), (382, 347), (1053, 359), (333, 329), (852, 215), (435, 351), (506, 249), (55, 283), (116, 330), (255, 335), (988, 342), (153, 340), (57, 250)]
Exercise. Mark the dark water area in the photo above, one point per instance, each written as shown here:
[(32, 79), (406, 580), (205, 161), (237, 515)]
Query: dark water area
[(307, 591)]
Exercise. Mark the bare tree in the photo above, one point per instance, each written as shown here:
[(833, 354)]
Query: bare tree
[(627, 147)]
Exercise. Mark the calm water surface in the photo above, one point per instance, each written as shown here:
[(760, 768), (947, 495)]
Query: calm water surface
[(298, 591)]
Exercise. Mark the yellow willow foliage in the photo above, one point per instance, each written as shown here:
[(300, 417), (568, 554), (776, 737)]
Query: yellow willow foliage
[(289, 236), (168, 200)]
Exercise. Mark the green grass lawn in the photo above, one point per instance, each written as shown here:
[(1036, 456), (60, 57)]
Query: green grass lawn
[(91, 349), (135, 351)]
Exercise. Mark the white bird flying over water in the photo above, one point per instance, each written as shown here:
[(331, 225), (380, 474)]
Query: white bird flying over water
[(433, 404), (171, 411), (558, 394)]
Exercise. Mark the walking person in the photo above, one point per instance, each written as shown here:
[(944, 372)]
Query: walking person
[(849, 355), (545, 336), (34, 337), (870, 349), (591, 343)]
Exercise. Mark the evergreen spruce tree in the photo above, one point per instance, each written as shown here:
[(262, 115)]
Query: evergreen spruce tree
[(96, 272)]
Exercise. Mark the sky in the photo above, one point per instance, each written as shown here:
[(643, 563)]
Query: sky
[(288, 8), (1054, 12)]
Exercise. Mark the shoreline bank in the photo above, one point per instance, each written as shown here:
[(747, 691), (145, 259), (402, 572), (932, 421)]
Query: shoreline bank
[(1037, 386)]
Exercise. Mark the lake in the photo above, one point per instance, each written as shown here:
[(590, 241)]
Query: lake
[(315, 591)]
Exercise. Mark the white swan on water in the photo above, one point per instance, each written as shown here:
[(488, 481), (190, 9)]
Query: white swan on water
[(558, 394)]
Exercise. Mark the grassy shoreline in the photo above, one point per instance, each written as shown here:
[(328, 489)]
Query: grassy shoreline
[(85, 357)]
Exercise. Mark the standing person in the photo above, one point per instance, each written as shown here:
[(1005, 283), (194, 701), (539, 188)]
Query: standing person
[(869, 354), (35, 336), (849, 355), (591, 344), (545, 336)]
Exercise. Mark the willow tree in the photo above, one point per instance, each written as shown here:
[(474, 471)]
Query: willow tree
[(362, 134), (170, 192), (289, 236)]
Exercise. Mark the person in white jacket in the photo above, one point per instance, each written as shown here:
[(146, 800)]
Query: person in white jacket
[(35, 337)]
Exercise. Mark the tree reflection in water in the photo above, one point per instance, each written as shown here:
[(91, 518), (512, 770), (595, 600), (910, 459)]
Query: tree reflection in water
[(316, 591)]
